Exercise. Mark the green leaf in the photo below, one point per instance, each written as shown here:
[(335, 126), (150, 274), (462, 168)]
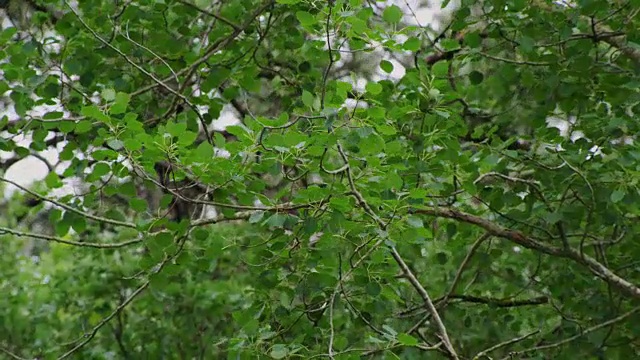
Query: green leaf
[(162, 240), (200, 234), (132, 144), (406, 339), (53, 115), (373, 88), (120, 104), (373, 288), (359, 26), (83, 127), (553, 217), (101, 169), (418, 193), (412, 44), (104, 154), (204, 151), (617, 196), (256, 217), (473, 39), (94, 112), (138, 205), (276, 220), (386, 66), (77, 222), (62, 227), (66, 126), (476, 77), (279, 351), (7, 34), (217, 76), (115, 144), (526, 44), (386, 129), (415, 221), (308, 99), (441, 113), (440, 69), (391, 331), (108, 94), (450, 44), (442, 258), (392, 14), (187, 138), (53, 180), (305, 18), (372, 145)]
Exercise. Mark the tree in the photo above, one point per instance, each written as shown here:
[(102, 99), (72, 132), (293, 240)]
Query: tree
[(390, 191)]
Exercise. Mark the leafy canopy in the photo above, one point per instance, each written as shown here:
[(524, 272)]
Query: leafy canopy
[(387, 191)]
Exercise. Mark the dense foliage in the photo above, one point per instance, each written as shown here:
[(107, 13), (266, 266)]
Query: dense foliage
[(463, 189)]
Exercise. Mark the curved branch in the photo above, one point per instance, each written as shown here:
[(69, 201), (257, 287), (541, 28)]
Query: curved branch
[(70, 208), (577, 336), (521, 239), (4, 230)]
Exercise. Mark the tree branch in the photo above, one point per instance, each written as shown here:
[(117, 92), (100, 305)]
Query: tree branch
[(70, 208), (519, 238), (4, 230), (501, 303), (577, 336)]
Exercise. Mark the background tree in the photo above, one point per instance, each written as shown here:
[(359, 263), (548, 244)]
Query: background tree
[(391, 190)]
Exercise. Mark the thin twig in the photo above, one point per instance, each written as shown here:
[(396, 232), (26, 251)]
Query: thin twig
[(70, 208), (89, 336), (504, 344), (325, 76), (280, 207), (400, 261), (577, 336), (427, 301), (501, 303), (462, 267), (147, 73), (5, 230), (510, 61), (209, 13), (519, 238), (10, 354)]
